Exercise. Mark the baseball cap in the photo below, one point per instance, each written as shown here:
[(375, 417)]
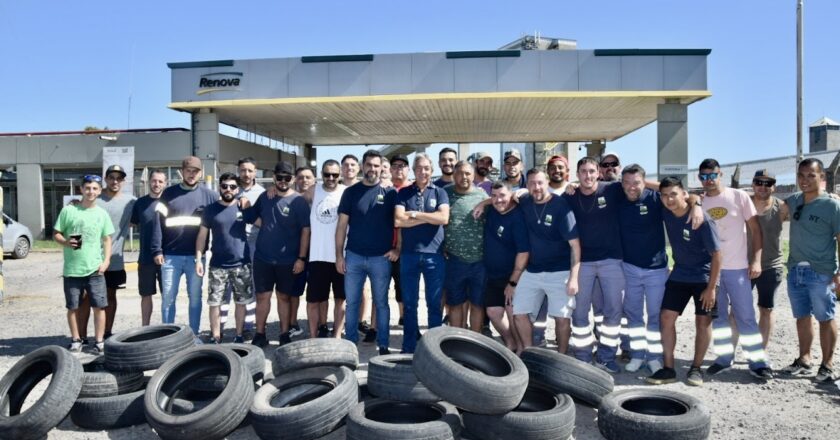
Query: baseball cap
[(514, 154), (191, 162), (115, 169), (400, 157), (283, 168), (765, 173), (560, 158), (611, 153)]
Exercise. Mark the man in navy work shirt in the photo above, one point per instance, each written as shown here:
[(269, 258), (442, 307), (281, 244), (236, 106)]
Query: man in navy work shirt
[(697, 263), (595, 205), (421, 213), (553, 264), (173, 243), (229, 263), (447, 158), (506, 250), (282, 246), (368, 210), (143, 216)]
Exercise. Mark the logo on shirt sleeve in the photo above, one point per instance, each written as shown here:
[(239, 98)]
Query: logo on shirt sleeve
[(433, 203), (602, 202), (500, 231), (686, 235), (548, 219)]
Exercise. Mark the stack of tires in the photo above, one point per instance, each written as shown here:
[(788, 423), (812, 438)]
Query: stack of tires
[(314, 387)]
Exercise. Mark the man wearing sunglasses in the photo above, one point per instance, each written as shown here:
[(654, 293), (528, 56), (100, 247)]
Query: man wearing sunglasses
[(173, 240), (813, 277), (85, 229), (230, 264), (282, 247), (609, 168), (119, 207), (323, 276), (733, 213), (771, 213)]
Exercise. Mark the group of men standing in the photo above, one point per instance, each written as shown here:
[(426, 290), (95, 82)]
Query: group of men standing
[(518, 249)]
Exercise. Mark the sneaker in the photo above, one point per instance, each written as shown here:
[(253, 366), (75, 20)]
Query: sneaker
[(662, 376), (763, 373), (239, 339), (295, 330), (323, 331), (383, 351), (285, 338), (798, 368), (695, 376), (654, 366), (259, 340), (213, 340), (825, 374), (99, 347), (364, 327), (634, 365), (85, 341), (75, 346), (370, 336), (610, 367), (716, 368)]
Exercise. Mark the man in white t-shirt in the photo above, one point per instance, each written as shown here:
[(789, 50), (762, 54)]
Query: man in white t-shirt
[(323, 218), (733, 211)]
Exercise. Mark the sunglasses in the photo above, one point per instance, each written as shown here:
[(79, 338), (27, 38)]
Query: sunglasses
[(609, 164), (228, 186), (765, 183), (708, 176), (283, 177), (91, 178), (330, 175), (798, 212)]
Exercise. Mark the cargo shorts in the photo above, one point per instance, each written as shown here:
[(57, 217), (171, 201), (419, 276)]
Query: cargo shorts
[(239, 279)]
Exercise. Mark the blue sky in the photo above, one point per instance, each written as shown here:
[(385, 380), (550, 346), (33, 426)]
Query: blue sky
[(71, 64)]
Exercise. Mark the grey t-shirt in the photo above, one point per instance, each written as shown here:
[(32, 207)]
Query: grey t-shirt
[(812, 236), (770, 222), (119, 209)]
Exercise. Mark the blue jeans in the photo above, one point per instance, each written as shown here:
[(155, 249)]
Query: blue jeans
[(644, 289), (810, 293), (433, 268), (357, 269), (735, 291), (173, 267)]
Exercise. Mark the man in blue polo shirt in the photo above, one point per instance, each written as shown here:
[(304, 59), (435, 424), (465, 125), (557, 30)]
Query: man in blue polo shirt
[(506, 250), (595, 205), (421, 213), (553, 264), (368, 210), (282, 246), (697, 263)]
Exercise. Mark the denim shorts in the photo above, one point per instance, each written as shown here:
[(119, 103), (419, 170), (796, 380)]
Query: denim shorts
[(94, 285), (464, 282), (810, 293)]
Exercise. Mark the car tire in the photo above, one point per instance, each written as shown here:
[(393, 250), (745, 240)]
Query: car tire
[(98, 381), (653, 413), (53, 406), (564, 374), (252, 356), (318, 352), (392, 377), (146, 348), (305, 404), (219, 418), (541, 415), (470, 370), (381, 419), (22, 248), (111, 412)]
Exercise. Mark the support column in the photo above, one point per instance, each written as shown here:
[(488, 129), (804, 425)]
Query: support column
[(596, 149), (205, 141), (463, 151), (31, 213), (672, 141)]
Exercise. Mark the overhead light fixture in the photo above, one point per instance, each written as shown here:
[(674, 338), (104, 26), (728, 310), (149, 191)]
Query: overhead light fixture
[(110, 138)]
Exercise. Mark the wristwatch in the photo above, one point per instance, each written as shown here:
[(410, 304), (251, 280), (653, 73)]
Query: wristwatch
[(413, 214), (512, 283)]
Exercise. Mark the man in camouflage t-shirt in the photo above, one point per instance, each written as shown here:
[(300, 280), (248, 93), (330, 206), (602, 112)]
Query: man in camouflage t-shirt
[(464, 248)]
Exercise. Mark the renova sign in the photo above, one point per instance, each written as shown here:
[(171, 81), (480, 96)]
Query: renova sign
[(219, 82)]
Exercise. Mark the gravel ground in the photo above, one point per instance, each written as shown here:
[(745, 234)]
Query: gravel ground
[(33, 316)]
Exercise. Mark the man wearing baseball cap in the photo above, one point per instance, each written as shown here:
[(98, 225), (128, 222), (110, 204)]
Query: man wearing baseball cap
[(557, 169), (513, 169), (483, 163), (609, 167), (173, 239), (771, 214)]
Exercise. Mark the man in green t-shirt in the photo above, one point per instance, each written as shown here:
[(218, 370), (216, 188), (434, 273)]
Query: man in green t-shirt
[(464, 245), (85, 230)]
